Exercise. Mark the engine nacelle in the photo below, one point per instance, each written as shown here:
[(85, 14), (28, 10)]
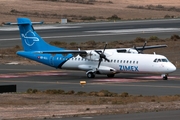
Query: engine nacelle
[(91, 55), (127, 50), (106, 70), (130, 50)]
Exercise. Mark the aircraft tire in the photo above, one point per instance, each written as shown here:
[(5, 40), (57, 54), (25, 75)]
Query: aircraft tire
[(90, 75), (165, 78)]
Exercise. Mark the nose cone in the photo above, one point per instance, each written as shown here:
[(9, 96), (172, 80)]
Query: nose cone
[(171, 68)]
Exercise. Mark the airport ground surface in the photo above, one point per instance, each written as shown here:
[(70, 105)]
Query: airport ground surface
[(43, 77)]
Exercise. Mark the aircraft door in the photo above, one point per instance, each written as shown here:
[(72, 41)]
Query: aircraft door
[(51, 60)]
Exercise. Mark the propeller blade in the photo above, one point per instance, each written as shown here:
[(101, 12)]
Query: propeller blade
[(104, 47), (107, 59), (144, 44), (102, 55), (100, 60), (143, 47)]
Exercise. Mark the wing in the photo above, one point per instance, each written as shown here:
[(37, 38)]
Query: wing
[(150, 47)]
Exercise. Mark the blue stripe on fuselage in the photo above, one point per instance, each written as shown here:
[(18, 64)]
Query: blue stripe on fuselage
[(56, 60)]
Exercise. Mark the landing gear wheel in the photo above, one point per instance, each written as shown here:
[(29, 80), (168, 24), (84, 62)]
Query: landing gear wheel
[(110, 75), (90, 75), (165, 77)]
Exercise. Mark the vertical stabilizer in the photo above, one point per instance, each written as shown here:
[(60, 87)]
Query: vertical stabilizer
[(31, 41)]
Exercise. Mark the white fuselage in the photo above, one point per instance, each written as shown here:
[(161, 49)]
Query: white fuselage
[(121, 62)]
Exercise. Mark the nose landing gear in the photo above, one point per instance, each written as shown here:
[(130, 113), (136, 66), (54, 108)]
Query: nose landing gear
[(164, 76)]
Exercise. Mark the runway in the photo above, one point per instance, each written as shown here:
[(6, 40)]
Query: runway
[(43, 77), (99, 32)]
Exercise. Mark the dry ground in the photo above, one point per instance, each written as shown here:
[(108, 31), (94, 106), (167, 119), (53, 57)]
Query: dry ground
[(52, 11), (44, 106)]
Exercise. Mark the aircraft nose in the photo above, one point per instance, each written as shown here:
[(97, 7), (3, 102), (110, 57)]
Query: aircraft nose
[(172, 68)]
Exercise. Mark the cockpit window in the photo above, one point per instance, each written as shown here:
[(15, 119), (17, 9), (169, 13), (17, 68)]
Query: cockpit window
[(155, 60), (164, 60), (160, 60)]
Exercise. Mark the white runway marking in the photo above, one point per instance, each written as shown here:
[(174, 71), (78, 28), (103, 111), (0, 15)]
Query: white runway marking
[(107, 32), (38, 27), (144, 30)]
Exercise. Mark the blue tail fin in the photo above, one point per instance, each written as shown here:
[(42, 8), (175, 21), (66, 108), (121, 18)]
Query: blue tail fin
[(31, 41)]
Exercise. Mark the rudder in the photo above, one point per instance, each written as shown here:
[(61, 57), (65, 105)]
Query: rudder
[(31, 41)]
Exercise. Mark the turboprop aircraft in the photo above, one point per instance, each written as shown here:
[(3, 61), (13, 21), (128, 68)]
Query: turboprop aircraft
[(101, 61)]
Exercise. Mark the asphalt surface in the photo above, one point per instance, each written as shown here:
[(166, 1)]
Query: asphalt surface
[(42, 77), (163, 115), (99, 32)]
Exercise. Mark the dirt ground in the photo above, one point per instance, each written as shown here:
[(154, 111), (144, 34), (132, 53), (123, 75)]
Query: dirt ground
[(43, 106), (18, 106), (49, 11)]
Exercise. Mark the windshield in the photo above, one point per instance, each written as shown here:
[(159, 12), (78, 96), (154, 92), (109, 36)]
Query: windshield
[(161, 60)]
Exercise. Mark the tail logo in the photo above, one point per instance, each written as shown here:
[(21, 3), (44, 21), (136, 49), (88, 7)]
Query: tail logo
[(30, 38)]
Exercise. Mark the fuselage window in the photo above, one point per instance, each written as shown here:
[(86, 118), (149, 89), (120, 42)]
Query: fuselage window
[(114, 61), (127, 61), (133, 62), (121, 61), (130, 62), (136, 62), (111, 60), (75, 58), (117, 61), (124, 61)]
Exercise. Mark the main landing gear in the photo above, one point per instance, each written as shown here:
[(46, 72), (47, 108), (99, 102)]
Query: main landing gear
[(92, 75)]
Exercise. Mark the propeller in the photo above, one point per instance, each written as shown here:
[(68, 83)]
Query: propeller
[(140, 51), (102, 55)]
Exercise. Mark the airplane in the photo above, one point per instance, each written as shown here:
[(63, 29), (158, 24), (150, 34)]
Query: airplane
[(100, 61)]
